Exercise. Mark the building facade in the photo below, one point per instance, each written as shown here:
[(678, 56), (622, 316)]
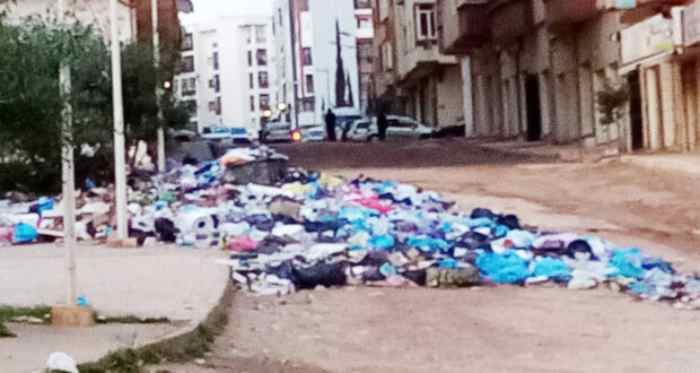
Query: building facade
[(539, 67), (319, 56), (226, 72), (413, 76)]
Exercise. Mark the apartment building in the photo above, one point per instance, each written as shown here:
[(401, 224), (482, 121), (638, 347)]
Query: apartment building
[(318, 64), (538, 66), (226, 72), (366, 53), (413, 76)]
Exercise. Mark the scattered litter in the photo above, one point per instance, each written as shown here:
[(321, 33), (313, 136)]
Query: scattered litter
[(289, 229)]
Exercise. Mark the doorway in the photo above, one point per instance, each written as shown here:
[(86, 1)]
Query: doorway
[(534, 113), (636, 124)]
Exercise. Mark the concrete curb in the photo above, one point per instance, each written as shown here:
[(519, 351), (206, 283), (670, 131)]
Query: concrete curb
[(180, 346)]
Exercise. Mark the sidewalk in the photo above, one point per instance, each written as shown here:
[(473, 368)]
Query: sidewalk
[(180, 284), (688, 163)]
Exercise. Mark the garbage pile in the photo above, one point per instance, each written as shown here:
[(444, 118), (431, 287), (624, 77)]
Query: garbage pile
[(288, 229)]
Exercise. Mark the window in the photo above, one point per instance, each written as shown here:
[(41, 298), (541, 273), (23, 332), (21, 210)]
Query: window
[(264, 102), (215, 83), (250, 58), (260, 34), (252, 103), (215, 60), (306, 56), (189, 86), (191, 106), (308, 104), (310, 84), (263, 81), (251, 81), (218, 106), (249, 35), (188, 64), (261, 57), (426, 27), (187, 42), (279, 15)]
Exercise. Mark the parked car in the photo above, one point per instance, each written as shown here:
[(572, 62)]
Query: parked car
[(227, 136), (277, 132), (399, 127), (313, 132)]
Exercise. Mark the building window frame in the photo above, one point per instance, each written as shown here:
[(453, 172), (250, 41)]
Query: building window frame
[(425, 22)]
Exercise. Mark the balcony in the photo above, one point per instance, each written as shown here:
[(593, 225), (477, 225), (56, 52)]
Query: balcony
[(567, 12), (510, 19), (648, 8), (464, 28), (420, 62)]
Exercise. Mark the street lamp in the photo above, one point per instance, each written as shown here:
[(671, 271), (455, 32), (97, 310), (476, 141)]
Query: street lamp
[(267, 113), (119, 142), (68, 174), (282, 107)]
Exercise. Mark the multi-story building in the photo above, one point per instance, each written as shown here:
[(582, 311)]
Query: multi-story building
[(366, 52), (316, 41), (226, 72), (413, 76), (538, 68)]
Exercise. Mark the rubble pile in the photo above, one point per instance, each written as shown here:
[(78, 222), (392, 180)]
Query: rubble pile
[(288, 229)]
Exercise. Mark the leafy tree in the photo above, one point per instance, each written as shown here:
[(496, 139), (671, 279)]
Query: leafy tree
[(31, 106)]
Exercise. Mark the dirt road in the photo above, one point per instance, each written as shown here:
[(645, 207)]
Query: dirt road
[(506, 329)]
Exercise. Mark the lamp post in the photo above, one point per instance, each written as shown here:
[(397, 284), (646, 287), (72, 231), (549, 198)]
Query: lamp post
[(159, 91), (119, 142), (68, 172)]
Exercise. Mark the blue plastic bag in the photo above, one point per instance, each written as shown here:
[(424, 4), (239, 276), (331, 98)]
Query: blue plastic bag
[(383, 242), (628, 263), (552, 268), (24, 233), (425, 243), (504, 268)]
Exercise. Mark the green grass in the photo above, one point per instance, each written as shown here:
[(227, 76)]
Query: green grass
[(5, 333), (7, 313)]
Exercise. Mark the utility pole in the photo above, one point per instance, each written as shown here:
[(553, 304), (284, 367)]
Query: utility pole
[(159, 91), (295, 80), (118, 105), (68, 171)]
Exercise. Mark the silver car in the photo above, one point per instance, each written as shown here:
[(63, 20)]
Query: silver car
[(277, 132), (313, 132), (399, 127)]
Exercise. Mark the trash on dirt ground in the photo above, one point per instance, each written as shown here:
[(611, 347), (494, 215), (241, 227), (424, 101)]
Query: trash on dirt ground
[(289, 229)]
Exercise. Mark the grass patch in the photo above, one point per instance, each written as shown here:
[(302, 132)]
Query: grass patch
[(8, 313), (6, 333), (180, 349), (132, 320)]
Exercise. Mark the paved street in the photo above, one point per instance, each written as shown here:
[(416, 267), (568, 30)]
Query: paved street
[(180, 284), (539, 329)]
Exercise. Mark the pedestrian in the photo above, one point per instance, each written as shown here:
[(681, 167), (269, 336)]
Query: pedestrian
[(330, 125), (382, 125)]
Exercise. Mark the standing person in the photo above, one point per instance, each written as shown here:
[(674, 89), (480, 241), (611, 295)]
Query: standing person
[(382, 125), (330, 125)]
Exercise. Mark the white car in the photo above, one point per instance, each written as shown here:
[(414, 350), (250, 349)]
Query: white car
[(313, 132), (399, 127), (277, 132)]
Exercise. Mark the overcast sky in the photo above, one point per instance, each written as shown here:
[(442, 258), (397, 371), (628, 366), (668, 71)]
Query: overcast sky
[(204, 9)]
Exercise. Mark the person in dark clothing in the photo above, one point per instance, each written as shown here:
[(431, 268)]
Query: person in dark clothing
[(330, 125), (382, 125)]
